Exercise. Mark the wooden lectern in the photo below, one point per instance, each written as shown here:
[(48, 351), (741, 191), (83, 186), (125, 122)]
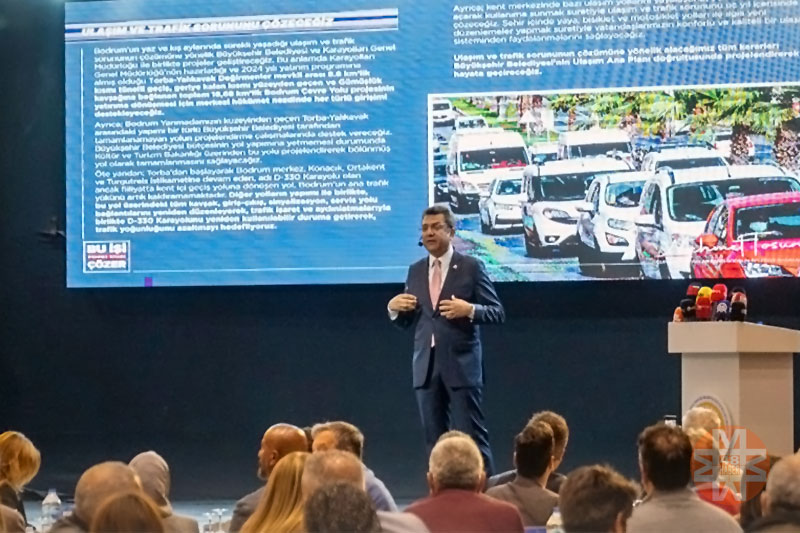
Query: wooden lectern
[(745, 367)]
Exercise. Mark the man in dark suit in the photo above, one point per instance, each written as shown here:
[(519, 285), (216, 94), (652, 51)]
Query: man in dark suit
[(561, 436), (455, 479), (447, 295)]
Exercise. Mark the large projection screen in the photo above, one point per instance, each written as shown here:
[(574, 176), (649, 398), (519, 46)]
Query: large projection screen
[(232, 142)]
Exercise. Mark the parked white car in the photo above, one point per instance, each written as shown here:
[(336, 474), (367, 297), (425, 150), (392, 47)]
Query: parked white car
[(682, 158), (501, 209), (675, 206), (594, 142), (553, 192), (443, 113), (606, 229), (475, 158)]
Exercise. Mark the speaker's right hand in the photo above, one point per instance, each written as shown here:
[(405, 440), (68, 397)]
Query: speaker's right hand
[(403, 302)]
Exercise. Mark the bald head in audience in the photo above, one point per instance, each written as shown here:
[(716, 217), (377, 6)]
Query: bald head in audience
[(99, 483), (455, 463), (332, 466), (782, 494), (278, 441)]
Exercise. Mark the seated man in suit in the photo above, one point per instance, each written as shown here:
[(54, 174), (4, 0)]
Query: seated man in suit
[(665, 461), (561, 435), (346, 437), (597, 499), (455, 479), (278, 441), (534, 460), (336, 466), (97, 484)]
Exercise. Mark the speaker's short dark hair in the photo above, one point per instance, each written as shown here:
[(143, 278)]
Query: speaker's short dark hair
[(340, 508), (666, 455), (592, 497), (449, 218), (533, 447)]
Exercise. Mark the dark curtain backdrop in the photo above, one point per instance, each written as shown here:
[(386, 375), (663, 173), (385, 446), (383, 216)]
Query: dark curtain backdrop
[(198, 374)]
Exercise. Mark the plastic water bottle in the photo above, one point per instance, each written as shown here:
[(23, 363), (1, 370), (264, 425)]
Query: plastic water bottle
[(51, 510), (554, 523)]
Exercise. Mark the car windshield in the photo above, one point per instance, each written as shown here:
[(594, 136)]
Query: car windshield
[(591, 150), (768, 222), (624, 194), (692, 162), (472, 123), (565, 186), (441, 106), (693, 202), (507, 187), (543, 157), (476, 160)]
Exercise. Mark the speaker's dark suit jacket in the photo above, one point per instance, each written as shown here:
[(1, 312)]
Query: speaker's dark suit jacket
[(458, 342)]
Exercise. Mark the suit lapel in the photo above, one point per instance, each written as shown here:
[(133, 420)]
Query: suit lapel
[(450, 279), (426, 286)]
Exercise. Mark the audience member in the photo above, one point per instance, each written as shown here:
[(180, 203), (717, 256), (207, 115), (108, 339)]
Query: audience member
[(665, 462), (706, 420), (277, 442), (706, 470), (96, 485), (340, 508), (337, 466), (561, 436), (11, 521), (596, 499), (533, 460), (750, 509), (19, 463), (455, 480), (153, 473), (130, 512), (347, 437), (280, 509), (701, 418), (780, 500)]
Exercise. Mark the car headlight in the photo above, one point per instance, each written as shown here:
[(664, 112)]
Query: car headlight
[(762, 270), (617, 223), (615, 240), (555, 214)]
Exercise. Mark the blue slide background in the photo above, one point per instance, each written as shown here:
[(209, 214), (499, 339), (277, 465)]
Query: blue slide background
[(351, 252)]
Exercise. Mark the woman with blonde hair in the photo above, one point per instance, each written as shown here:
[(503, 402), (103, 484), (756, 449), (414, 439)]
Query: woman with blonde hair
[(127, 512), (280, 509), (19, 463)]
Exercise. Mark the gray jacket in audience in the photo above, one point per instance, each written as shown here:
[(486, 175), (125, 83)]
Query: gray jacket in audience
[(535, 503), (680, 510), (378, 492), (244, 509)]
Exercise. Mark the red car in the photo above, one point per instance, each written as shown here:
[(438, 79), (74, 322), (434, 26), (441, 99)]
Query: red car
[(751, 237)]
